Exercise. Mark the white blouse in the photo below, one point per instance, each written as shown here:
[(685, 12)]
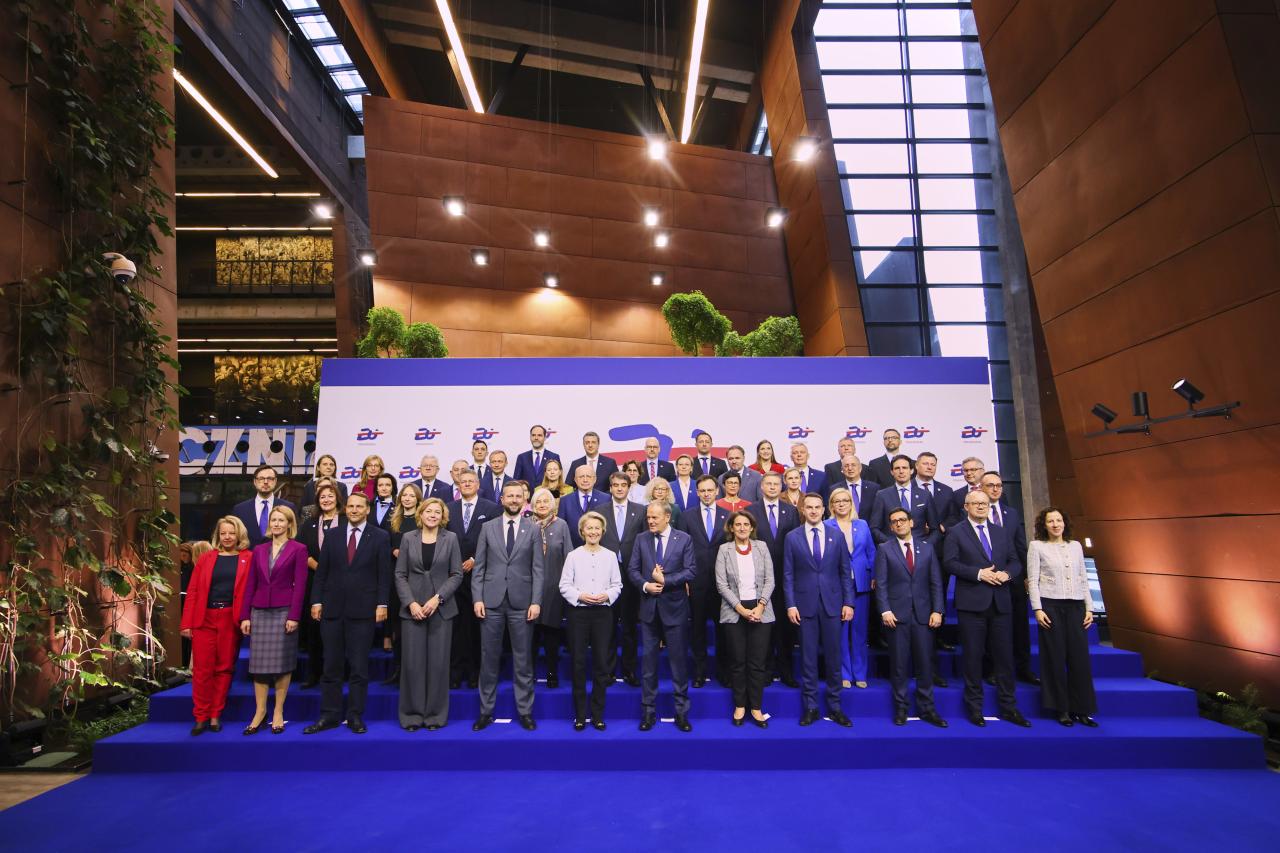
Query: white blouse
[(590, 572), (746, 577), (1056, 570)]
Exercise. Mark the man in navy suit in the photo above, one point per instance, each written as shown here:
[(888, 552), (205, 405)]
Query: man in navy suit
[(863, 490), (905, 493), (651, 466), (1006, 516), (811, 479), (480, 453), (704, 464), (624, 519), (980, 555), (580, 501), (909, 600), (774, 520), (662, 562), (833, 471), (880, 468), (531, 463), (256, 510), (349, 597), (705, 525), (818, 587), (926, 470), (466, 516), (972, 468), (428, 481), (492, 482), (600, 465)]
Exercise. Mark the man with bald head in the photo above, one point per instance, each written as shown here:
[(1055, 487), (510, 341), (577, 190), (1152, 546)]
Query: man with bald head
[(651, 466), (833, 470), (580, 501)]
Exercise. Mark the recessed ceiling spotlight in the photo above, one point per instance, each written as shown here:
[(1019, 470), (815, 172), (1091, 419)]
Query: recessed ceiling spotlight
[(551, 280), (661, 239), (805, 148), (775, 216), (480, 257), (454, 205), (651, 217), (541, 239), (657, 279), (657, 148)]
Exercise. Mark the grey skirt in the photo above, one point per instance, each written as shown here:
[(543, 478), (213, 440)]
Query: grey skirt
[(271, 650)]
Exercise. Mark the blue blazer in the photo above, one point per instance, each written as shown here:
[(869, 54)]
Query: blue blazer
[(605, 465), (245, 511), (1017, 532), (486, 487), (469, 539), (439, 489), (788, 518), (531, 475), (864, 502), (679, 568), (862, 558), (684, 499), (924, 516), (571, 511), (666, 470), (963, 557), (704, 550), (816, 588), (353, 590), (906, 593), (815, 481)]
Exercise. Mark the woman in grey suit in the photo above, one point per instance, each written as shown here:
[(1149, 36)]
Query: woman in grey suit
[(744, 579), (428, 573), (556, 545)]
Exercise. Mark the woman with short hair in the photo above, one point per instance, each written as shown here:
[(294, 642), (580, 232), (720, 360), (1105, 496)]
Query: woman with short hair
[(745, 581), (590, 582)]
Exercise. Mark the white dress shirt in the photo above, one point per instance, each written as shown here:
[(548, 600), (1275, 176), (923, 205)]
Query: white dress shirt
[(822, 537)]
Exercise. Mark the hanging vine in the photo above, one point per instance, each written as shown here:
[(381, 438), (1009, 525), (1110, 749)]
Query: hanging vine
[(89, 539)]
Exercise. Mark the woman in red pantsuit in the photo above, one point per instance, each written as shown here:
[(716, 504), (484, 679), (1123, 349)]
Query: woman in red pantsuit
[(214, 598)]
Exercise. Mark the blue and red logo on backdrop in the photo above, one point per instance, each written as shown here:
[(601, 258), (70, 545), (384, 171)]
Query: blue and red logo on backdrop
[(483, 434), (799, 432), (368, 434), (970, 431), (408, 472), (425, 434), (913, 432), (349, 473), (857, 432), (956, 470)]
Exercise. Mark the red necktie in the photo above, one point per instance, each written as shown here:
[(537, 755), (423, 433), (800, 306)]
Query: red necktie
[(653, 470), (351, 547), (911, 557)]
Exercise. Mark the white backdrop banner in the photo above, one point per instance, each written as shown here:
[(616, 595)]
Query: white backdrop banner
[(403, 409)]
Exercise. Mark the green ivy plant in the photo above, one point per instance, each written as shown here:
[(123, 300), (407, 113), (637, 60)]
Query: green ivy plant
[(387, 336), (84, 520)]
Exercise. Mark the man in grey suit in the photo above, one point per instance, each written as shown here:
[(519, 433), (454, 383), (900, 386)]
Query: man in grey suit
[(506, 586), (750, 479)]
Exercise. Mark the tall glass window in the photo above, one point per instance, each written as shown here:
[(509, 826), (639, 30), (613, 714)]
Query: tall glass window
[(904, 87)]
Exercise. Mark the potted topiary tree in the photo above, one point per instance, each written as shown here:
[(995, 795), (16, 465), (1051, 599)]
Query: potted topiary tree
[(694, 321)]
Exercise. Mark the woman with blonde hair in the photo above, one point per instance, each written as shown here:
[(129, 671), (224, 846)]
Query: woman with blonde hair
[(556, 544), (403, 519), (370, 469), (590, 581), (862, 558), (792, 491), (553, 480)]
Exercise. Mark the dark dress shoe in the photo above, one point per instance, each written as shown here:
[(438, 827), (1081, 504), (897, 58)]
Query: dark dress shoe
[(278, 730), (933, 719), (631, 679), (455, 683), (553, 681), (598, 725), (320, 726), (977, 719), (682, 723), (789, 681), (1015, 717), (1028, 677), (699, 681), (1065, 720), (434, 727), (199, 728), (900, 717), (737, 721), (356, 723), (482, 722), (579, 725), (809, 717), (758, 722), (840, 719), (411, 728), (1085, 720), (939, 681), (646, 721), (880, 643), (946, 647), (253, 730), (215, 725), (990, 679), (393, 678), (527, 723)]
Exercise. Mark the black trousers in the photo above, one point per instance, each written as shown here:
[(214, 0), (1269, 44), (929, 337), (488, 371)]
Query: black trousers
[(627, 612), (987, 630), (784, 636), (591, 626), (464, 654), (704, 607), (911, 642), (347, 642), (746, 655), (1021, 618), (1066, 679), (553, 637), (311, 640)]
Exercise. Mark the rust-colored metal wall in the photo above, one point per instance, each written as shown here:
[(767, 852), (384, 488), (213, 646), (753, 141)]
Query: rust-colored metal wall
[(1143, 145)]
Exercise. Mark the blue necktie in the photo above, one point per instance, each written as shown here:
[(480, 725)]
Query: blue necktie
[(982, 537), (816, 547), (707, 512), (773, 521), (657, 549), (584, 502), (906, 504), (466, 517), (804, 482), (857, 504), (262, 520), (511, 536)]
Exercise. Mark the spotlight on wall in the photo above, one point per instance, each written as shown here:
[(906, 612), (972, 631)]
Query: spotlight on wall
[(1188, 392), (551, 279), (657, 278), (805, 148), (661, 239), (651, 217), (454, 205), (1184, 389), (657, 148), (1140, 409), (322, 210), (368, 257), (541, 238), (775, 216), (1103, 414), (480, 257)]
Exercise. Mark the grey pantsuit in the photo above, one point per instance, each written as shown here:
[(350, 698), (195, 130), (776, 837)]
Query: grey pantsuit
[(507, 584), (425, 644)]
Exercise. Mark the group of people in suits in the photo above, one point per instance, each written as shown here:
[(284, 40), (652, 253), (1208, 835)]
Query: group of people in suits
[(771, 556)]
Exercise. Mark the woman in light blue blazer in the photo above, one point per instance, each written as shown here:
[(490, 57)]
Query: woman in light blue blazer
[(745, 581), (862, 557)]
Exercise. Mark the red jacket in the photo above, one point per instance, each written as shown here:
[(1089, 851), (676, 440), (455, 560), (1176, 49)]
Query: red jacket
[(198, 590), (287, 584)]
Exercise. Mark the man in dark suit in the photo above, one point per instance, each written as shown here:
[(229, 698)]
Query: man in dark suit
[(880, 468), (748, 478), (624, 519), (428, 481), (834, 471), (255, 511), (926, 467), (909, 600), (651, 466), (863, 490), (601, 466), (531, 463), (811, 479), (972, 468), (980, 555), (705, 525), (907, 494), (466, 516), (506, 593), (349, 596), (774, 520), (661, 564), (704, 464), (479, 457), (1006, 516), (580, 501), (818, 587), (492, 482)]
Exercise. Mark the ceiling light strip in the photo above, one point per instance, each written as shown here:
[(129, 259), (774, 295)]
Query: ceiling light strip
[(470, 91), (695, 67), (223, 123)]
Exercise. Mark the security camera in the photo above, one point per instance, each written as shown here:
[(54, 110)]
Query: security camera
[(157, 454), (123, 270)]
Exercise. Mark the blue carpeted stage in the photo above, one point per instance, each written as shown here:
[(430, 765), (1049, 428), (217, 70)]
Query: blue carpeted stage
[(1154, 774)]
